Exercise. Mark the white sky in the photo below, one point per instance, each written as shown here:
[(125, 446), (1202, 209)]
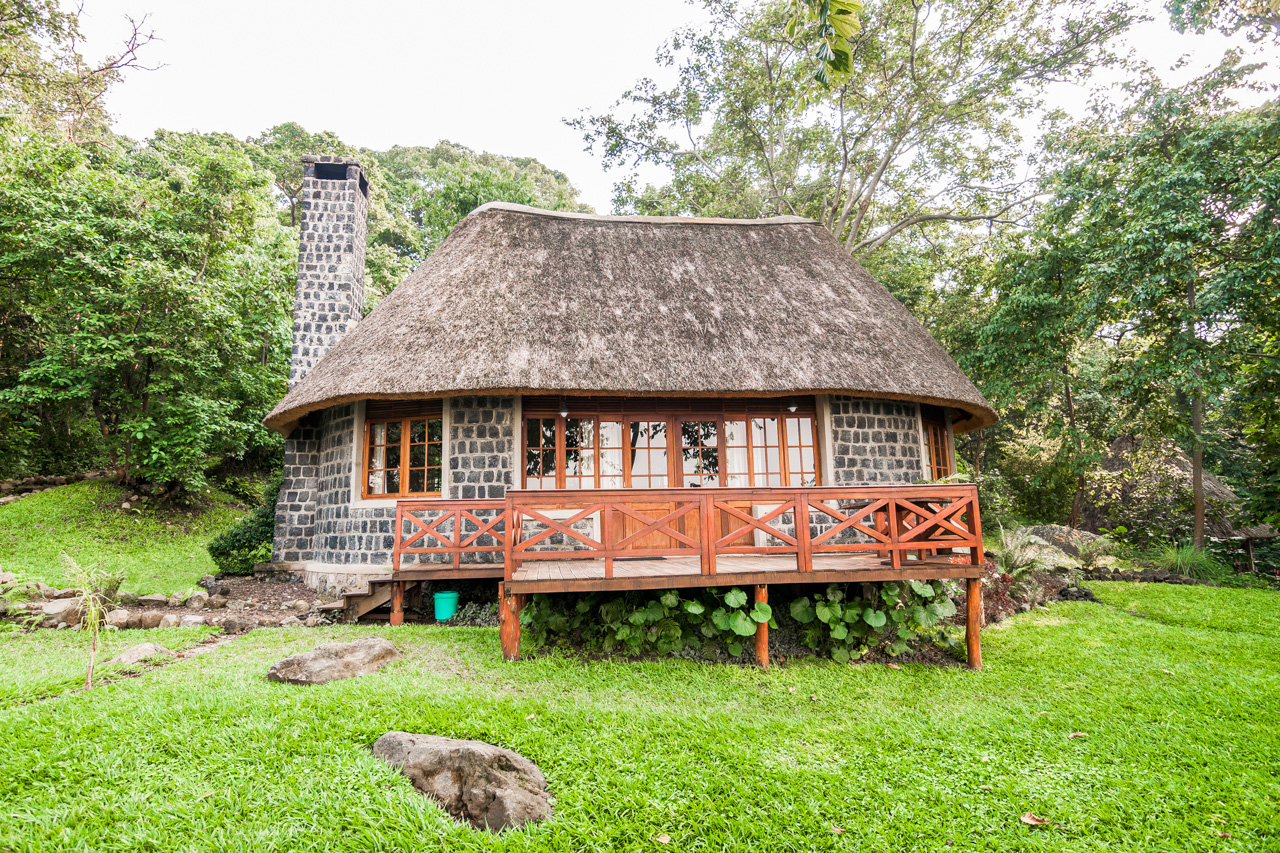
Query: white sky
[(497, 76)]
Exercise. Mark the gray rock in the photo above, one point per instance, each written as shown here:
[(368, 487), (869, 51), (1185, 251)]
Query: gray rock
[(148, 619), (291, 622), (65, 593), (175, 600), (155, 599), (118, 619), (332, 661), (198, 599), (481, 784), (170, 620), (217, 601), (312, 621), (1063, 538), (238, 624), (302, 605), (193, 620), (61, 610), (139, 653), (7, 578)]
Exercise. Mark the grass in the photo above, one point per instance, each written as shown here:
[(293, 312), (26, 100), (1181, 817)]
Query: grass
[(46, 663), (1177, 707), (157, 552), (1190, 562)]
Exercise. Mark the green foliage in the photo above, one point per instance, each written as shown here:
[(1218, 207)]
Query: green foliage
[(922, 133), (1019, 552), (98, 588), (1190, 562), (888, 616), (148, 292), (238, 549)]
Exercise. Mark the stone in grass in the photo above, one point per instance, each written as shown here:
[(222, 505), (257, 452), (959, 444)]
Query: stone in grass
[(475, 782), (193, 620), (217, 601), (118, 619), (170, 620), (176, 600), (61, 610), (155, 598), (198, 599), (332, 661), (139, 653)]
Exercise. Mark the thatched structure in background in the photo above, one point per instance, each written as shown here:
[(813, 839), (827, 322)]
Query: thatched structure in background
[(519, 300), (1156, 480)]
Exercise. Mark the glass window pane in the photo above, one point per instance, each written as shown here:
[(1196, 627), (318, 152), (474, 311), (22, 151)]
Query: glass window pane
[(378, 434), (435, 429), (548, 426), (393, 481), (393, 456), (417, 455), (417, 480), (793, 465), (417, 431), (376, 486), (736, 466), (611, 434), (735, 433), (532, 432), (611, 482), (611, 463), (377, 457), (434, 455), (531, 466), (393, 432), (793, 430), (548, 461), (771, 431), (434, 480), (773, 460)]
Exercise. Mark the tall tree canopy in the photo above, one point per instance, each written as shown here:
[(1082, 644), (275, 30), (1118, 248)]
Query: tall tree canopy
[(922, 131)]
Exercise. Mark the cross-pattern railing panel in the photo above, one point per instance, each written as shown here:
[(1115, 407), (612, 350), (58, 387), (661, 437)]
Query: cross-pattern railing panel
[(896, 523), (438, 533)]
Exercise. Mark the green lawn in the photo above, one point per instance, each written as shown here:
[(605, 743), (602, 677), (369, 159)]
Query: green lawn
[(1179, 715), (158, 552)]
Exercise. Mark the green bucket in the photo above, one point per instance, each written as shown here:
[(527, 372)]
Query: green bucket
[(446, 605)]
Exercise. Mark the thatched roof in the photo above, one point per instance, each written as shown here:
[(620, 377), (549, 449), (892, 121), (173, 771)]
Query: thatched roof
[(521, 300)]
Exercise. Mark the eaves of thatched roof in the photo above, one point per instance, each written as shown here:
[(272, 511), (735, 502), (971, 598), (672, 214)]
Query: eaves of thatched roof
[(521, 300)]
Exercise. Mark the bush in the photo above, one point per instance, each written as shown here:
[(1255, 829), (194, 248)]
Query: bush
[(1020, 552), (248, 542), (1189, 562), (844, 622)]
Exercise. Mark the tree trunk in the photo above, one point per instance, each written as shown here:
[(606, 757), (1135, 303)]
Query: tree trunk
[(1078, 500), (1197, 470)]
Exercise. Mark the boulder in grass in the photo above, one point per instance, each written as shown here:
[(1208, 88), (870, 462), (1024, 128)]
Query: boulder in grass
[(333, 661), (61, 610), (140, 653), (155, 599), (475, 782), (193, 620), (198, 599), (118, 619), (170, 620)]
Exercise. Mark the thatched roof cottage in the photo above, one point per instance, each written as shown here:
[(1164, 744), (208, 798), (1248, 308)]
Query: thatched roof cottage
[(553, 392)]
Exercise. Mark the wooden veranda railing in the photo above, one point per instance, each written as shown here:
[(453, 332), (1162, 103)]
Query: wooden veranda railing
[(896, 523)]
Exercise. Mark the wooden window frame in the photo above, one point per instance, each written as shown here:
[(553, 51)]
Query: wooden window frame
[(403, 415), (674, 414), (938, 445)]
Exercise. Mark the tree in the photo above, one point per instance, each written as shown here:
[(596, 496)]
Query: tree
[(44, 78), (1163, 234), (921, 132), (148, 289), (1259, 19)]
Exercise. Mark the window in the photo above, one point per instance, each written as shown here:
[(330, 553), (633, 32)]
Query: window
[(936, 442), (404, 450), (658, 444)]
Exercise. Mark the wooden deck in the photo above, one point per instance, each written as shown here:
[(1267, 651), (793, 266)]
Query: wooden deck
[(683, 572)]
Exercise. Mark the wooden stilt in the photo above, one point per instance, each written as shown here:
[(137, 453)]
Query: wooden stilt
[(509, 632), (397, 603), (762, 629), (973, 623)]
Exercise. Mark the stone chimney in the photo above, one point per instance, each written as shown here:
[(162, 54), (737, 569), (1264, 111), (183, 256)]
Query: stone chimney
[(328, 304), (330, 297)]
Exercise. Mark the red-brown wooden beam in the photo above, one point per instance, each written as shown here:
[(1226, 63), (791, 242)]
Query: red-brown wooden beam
[(509, 605), (397, 603), (973, 622), (762, 629)]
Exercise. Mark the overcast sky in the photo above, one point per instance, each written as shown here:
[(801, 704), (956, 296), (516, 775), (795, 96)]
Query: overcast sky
[(496, 76)]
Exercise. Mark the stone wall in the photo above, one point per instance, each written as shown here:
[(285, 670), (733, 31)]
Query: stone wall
[(874, 441), (296, 504), (482, 447)]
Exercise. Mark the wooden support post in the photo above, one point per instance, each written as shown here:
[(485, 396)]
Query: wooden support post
[(397, 602), (973, 623), (509, 632), (762, 629)]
